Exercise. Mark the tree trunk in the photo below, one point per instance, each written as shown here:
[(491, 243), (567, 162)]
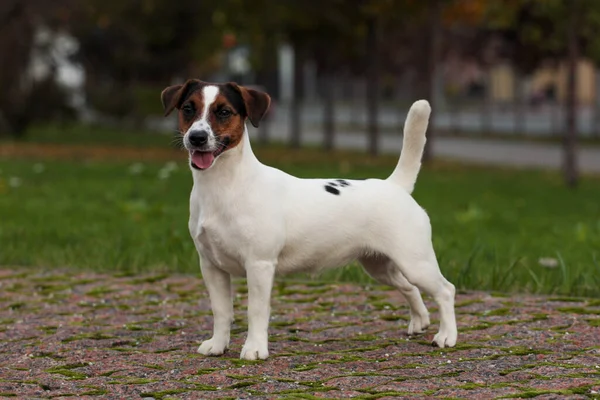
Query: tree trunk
[(596, 120), (295, 104), (570, 138), (267, 77), (435, 41), (373, 85), (328, 86), (267, 73), (486, 111), (17, 38), (519, 103)]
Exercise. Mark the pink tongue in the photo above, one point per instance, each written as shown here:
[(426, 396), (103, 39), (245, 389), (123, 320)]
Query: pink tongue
[(202, 159)]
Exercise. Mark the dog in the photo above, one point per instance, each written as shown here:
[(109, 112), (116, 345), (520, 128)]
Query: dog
[(249, 219)]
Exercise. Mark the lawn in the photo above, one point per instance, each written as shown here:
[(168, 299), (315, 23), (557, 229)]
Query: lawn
[(491, 226)]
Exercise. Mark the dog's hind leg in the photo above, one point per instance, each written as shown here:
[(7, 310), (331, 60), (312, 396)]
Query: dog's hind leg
[(383, 270), (418, 264)]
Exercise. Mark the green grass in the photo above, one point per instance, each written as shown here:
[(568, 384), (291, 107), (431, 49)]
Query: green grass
[(490, 225), (75, 134)]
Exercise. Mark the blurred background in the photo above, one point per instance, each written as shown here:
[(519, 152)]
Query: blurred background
[(90, 178)]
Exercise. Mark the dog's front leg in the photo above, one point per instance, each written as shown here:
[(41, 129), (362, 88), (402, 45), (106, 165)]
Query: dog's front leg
[(218, 283), (260, 282)]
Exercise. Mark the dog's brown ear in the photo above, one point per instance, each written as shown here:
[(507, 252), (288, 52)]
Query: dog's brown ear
[(170, 97), (256, 102), (173, 96)]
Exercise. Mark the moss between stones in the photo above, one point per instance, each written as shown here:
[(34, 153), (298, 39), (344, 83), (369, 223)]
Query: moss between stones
[(150, 279), (282, 324), (392, 317), (240, 377), (478, 327), (578, 310), (312, 291), (240, 385), (205, 371), (203, 387), (525, 351), (99, 291), (132, 381), (497, 312), (94, 392), (92, 336), (530, 393), (539, 317), (50, 329), (153, 366), (16, 306), (168, 350), (73, 375), (373, 394), (594, 322), (300, 395), (468, 303), (162, 394)]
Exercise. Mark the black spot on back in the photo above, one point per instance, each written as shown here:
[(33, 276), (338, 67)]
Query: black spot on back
[(332, 190), (234, 98), (343, 182)]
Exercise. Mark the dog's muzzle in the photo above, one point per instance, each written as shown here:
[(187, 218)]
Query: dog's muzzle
[(200, 157)]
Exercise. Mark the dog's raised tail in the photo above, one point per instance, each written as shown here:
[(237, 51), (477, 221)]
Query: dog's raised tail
[(413, 144)]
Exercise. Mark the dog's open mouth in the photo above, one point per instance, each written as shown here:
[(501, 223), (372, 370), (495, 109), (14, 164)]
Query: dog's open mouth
[(204, 159)]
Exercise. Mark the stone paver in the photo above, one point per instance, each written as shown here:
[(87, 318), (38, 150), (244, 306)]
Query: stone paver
[(65, 334)]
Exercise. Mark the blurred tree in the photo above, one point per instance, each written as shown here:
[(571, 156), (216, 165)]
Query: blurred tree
[(16, 38), (128, 44), (552, 30), (570, 138), (23, 99)]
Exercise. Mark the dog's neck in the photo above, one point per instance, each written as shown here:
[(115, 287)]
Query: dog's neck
[(233, 165)]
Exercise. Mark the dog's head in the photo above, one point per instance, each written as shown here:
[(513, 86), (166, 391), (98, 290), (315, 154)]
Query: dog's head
[(212, 116)]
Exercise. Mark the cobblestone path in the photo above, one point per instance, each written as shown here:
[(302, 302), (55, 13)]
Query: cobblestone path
[(66, 334)]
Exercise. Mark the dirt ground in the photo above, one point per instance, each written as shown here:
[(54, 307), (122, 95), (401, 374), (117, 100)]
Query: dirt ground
[(65, 334)]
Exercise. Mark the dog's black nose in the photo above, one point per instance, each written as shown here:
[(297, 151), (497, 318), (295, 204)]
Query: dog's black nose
[(198, 138)]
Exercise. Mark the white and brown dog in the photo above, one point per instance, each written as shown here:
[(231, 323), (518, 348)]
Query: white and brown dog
[(249, 219)]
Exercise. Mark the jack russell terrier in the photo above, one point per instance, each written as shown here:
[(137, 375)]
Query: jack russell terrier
[(249, 219)]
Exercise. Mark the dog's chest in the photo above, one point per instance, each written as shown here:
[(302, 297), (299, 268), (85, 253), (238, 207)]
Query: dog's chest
[(221, 243)]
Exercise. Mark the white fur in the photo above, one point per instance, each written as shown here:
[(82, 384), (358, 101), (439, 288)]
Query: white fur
[(249, 219)]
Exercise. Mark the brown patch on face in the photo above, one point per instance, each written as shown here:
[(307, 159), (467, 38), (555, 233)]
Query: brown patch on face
[(226, 121), (191, 110), (228, 112), (187, 98)]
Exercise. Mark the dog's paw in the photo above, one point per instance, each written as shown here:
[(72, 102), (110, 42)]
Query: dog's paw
[(445, 338), (254, 351), (212, 347), (418, 324)]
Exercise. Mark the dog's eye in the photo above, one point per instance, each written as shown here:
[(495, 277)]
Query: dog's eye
[(223, 113), (188, 110)]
